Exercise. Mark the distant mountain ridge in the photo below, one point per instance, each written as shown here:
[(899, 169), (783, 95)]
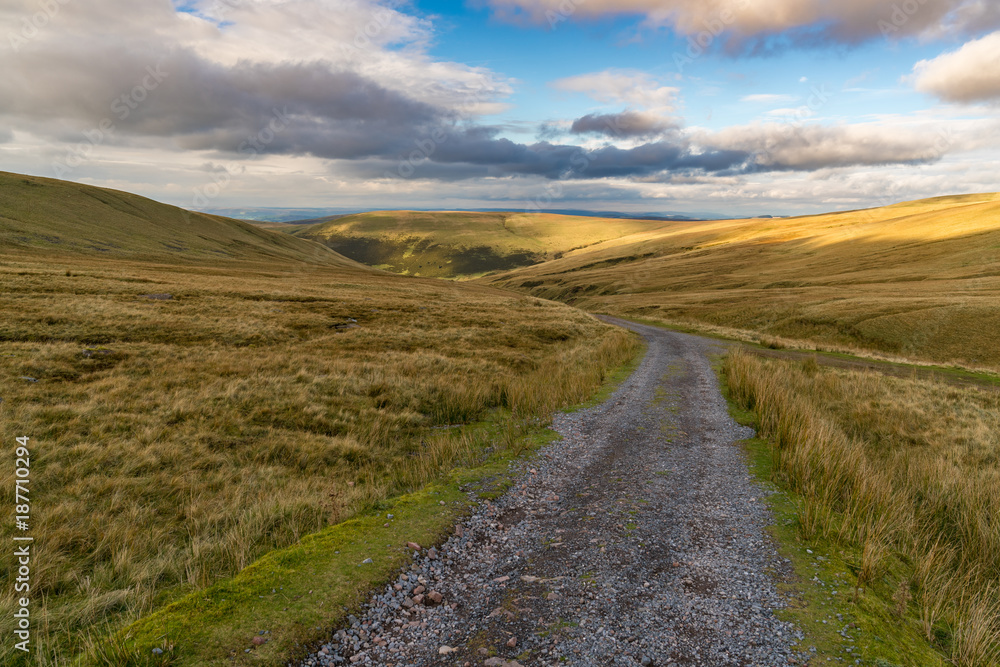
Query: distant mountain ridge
[(299, 216)]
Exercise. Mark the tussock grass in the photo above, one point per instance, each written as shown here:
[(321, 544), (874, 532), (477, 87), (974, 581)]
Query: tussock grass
[(904, 473), (177, 440)]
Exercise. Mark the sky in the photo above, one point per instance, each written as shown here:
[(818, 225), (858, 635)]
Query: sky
[(707, 107)]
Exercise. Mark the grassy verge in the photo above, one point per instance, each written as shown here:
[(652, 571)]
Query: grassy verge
[(296, 594), (860, 359), (885, 489), (614, 378)]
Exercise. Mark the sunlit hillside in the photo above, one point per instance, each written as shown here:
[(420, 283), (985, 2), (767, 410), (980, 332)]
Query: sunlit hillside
[(459, 245), (918, 279)]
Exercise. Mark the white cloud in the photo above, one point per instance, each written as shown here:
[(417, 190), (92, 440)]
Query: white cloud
[(970, 74), (628, 87), (790, 193)]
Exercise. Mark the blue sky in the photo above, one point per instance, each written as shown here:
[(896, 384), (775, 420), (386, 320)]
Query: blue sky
[(792, 106)]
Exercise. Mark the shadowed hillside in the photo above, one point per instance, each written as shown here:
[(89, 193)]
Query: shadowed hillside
[(461, 245), (918, 279), (47, 215)]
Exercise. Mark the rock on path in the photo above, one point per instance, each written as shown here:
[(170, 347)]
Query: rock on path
[(637, 539)]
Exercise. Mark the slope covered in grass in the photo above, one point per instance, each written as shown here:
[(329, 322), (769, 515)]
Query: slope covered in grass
[(187, 417), (42, 215), (459, 245), (918, 279), (901, 478)]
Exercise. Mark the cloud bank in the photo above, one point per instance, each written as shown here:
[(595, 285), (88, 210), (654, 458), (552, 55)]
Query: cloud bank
[(780, 147), (843, 21)]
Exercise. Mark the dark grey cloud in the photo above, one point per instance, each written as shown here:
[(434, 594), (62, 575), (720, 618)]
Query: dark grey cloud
[(314, 108), (203, 105), (477, 152), (625, 124)]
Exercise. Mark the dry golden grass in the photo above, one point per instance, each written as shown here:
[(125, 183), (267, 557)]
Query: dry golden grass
[(906, 472), (176, 441), (919, 280)]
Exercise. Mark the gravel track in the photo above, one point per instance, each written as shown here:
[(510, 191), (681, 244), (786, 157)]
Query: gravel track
[(637, 539)]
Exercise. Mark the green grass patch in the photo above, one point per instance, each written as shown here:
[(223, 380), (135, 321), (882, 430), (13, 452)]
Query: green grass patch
[(298, 593)]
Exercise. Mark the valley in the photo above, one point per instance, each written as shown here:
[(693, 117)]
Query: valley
[(229, 417), (463, 245), (917, 281)]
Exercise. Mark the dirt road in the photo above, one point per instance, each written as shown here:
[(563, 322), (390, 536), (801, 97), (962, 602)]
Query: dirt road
[(637, 539)]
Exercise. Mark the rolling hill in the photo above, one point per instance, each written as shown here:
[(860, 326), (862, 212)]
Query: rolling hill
[(464, 245), (918, 279), (42, 215)]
